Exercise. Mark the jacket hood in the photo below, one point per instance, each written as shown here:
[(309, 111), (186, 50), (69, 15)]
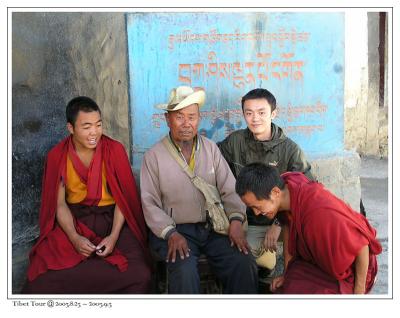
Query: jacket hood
[(278, 136)]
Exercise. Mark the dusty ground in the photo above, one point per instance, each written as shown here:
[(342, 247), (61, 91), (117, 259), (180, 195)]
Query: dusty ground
[(374, 193)]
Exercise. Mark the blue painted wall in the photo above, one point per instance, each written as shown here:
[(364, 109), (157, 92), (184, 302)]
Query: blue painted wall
[(299, 57)]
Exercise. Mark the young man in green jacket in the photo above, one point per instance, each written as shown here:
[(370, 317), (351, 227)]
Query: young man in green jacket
[(262, 141)]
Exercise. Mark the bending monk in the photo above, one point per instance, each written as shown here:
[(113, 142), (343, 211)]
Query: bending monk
[(328, 247)]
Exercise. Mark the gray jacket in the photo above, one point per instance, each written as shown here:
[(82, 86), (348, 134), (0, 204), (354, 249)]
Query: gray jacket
[(170, 198)]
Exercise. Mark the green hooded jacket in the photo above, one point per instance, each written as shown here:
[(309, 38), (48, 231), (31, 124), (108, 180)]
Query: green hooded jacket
[(240, 148)]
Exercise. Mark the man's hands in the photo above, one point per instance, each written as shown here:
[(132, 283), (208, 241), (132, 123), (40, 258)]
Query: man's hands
[(277, 282), (178, 246), (82, 245), (237, 236), (106, 246), (271, 237), (177, 243)]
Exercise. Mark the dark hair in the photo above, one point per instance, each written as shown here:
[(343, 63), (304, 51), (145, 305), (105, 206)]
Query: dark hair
[(259, 179), (77, 104), (260, 93)]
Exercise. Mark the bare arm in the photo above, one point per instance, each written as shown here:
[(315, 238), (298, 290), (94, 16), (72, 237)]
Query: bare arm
[(118, 222), (361, 264), (64, 216), (271, 237), (279, 280), (109, 241), (66, 222), (286, 256)]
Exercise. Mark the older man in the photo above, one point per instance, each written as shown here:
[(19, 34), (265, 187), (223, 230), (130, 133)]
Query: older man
[(174, 208)]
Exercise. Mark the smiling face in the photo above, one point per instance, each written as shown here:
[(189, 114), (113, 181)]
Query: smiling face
[(267, 207), (258, 116), (183, 123), (87, 130)]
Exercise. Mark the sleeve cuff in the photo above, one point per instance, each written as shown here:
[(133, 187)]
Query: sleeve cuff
[(166, 233), (276, 222), (236, 216)]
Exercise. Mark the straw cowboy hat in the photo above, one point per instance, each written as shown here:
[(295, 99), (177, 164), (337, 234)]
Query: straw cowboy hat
[(183, 96)]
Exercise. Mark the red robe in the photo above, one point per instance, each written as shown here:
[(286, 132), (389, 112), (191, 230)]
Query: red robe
[(53, 249), (325, 237)]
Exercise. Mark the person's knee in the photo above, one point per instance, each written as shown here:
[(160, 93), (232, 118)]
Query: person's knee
[(183, 276), (146, 281), (146, 275), (242, 275), (245, 263), (183, 268)]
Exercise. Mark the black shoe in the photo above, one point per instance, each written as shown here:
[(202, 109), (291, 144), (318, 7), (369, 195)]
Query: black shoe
[(264, 273)]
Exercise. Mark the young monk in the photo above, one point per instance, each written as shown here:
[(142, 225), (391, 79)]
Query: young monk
[(92, 231), (328, 247)]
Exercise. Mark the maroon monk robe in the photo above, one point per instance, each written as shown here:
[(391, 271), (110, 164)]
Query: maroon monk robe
[(58, 253), (325, 237)]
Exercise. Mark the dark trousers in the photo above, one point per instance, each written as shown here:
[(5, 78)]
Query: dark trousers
[(94, 275), (236, 271)]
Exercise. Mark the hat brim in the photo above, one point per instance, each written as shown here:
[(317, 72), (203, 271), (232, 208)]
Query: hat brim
[(197, 97)]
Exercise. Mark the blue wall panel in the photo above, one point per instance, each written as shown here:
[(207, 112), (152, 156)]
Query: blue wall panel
[(299, 57)]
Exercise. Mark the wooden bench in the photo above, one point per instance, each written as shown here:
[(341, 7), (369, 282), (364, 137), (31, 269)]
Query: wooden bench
[(209, 284)]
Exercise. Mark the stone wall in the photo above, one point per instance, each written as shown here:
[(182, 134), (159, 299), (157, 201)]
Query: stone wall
[(366, 124), (55, 57), (340, 175)]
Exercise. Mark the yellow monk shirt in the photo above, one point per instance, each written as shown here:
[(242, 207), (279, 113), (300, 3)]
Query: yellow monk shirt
[(76, 190)]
